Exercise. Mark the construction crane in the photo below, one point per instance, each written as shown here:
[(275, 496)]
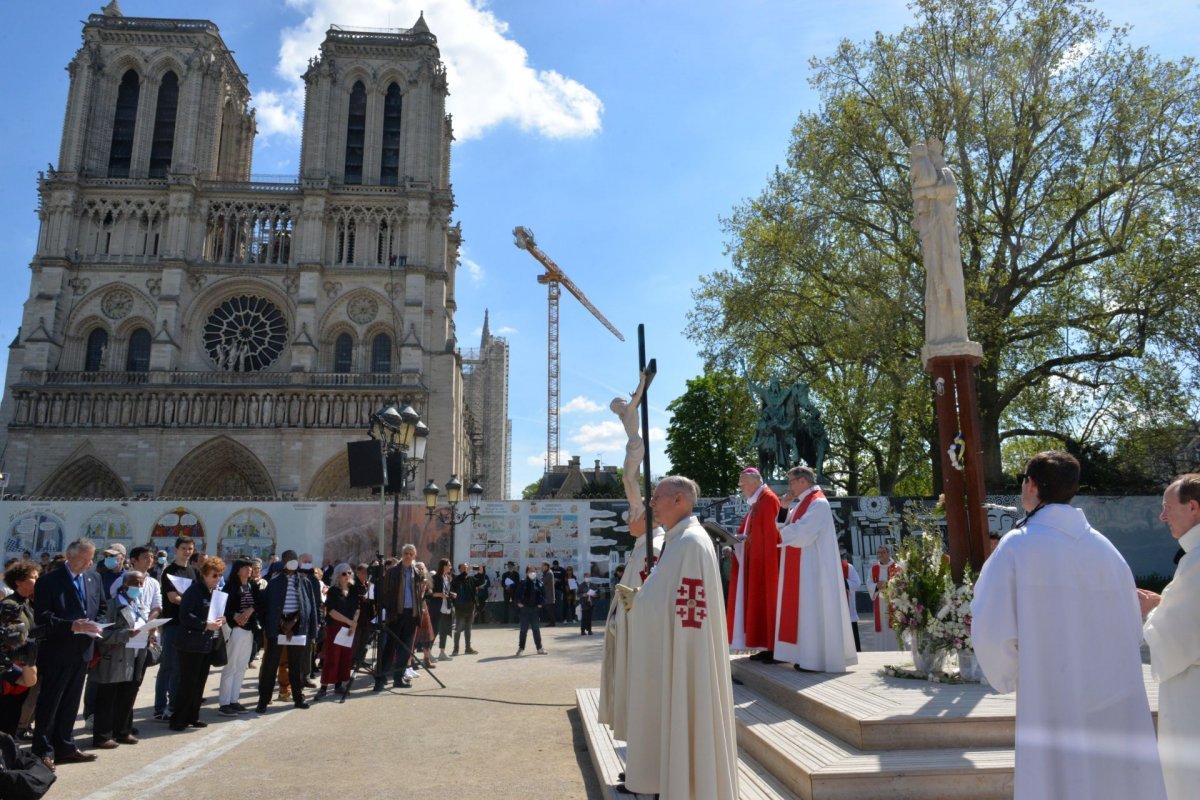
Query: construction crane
[(554, 277)]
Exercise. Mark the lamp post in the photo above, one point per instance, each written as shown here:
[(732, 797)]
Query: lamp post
[(454, 490), (399, 432)]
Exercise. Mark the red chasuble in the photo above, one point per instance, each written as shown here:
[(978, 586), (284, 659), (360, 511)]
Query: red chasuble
[(753, 578)]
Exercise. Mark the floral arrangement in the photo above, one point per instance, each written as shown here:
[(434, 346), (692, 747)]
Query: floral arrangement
[(950, 628), (915, 593)]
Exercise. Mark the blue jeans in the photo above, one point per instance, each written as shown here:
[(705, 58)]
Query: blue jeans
[(166, 685), (529, 618)]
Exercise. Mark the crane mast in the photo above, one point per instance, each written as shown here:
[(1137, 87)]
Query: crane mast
[(555, 279)]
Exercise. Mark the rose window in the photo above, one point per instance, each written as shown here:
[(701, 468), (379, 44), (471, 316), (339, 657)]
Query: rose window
[(245, 334)]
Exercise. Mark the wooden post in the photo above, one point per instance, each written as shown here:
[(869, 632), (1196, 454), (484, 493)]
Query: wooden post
[(650, 370), (962, 490)]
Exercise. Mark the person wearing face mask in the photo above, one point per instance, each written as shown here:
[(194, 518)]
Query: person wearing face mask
[(530, 599), (159, 564), (290, 624), (342, 611), (120, 670)]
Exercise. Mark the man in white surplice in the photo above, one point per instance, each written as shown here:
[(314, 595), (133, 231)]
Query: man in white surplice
[(1055, 619), (1173, 633), (812, 619), (614, 669), (682, 743)]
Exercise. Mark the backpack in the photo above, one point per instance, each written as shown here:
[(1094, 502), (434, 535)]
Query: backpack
[(23, 776)]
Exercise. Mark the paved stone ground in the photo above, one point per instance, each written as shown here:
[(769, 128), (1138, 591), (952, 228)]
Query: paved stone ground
[(503, 727)]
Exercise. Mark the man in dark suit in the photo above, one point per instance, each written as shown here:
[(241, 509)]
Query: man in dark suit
[(66, 603), (289, 606), (400, 601)]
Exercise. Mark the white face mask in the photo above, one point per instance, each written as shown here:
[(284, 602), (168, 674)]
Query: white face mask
[(291, 565), (306, 565), (530, 575)]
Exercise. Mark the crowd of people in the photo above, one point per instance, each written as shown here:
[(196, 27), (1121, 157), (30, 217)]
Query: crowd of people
[(79, 632)]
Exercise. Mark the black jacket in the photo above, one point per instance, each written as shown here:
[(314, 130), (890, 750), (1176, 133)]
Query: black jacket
[(531, 593), (276, 594), (194, 635), (463, 585)]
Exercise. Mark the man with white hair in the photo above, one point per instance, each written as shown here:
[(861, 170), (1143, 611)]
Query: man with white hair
[(753, 579), (1172, 632), (681, 738)]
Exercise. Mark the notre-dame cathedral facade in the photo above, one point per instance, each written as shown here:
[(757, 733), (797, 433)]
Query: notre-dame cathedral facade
[(191, 332)]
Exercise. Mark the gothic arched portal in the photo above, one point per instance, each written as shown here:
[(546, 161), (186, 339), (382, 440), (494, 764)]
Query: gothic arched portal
[(219, 468), (86, 476)]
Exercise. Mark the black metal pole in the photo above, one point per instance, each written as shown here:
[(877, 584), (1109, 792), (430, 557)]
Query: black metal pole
[(645, 404), (395, 506)]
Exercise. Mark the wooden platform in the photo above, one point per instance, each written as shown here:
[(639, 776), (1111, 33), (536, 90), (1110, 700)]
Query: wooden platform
[(608, 759), (859, 735)]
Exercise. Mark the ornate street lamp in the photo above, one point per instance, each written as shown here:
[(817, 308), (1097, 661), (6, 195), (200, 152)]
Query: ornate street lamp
[(450, 516), (401, 433)]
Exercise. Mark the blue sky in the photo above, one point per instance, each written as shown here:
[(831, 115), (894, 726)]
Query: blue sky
[(620, 132)]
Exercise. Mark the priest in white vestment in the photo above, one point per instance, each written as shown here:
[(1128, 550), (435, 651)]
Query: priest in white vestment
[(1056, 619), (878, 574), (614, 669), (681, 740), (1173, 632), (812, 619)]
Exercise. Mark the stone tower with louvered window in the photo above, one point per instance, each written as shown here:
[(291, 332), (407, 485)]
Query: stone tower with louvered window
[(193, 332)]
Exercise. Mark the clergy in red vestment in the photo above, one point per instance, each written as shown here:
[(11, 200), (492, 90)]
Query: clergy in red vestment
[(878, 576), (753, 579)]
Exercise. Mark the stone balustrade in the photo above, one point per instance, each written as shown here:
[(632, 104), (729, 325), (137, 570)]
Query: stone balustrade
[(193, 407)]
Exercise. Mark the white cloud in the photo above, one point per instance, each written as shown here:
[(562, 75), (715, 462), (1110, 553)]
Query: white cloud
[(491, 80), (505, 330), (474, 270), (540, 459), (580, 403), (606, 437), (279, 112)]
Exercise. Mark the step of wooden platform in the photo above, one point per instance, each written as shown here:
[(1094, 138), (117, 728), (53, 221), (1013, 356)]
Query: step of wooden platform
[(871, 711), (608, 759), (818, 766)]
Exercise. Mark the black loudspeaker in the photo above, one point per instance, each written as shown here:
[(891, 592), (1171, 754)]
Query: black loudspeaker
[(395, 472), (366, 468)]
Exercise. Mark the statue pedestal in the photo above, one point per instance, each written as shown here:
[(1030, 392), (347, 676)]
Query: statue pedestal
[(943, 350), (958, 412)]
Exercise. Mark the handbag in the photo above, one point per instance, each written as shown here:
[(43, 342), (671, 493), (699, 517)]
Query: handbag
[(153, 653), (218, 656)]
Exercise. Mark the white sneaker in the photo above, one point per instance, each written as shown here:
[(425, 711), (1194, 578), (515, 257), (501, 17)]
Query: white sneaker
[(443, 657), (541, 652), (410, 674), (521, 651)]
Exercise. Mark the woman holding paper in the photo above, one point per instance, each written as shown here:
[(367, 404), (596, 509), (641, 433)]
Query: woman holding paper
[(242, 613), (199, 625), (120, 669), (341, 620)]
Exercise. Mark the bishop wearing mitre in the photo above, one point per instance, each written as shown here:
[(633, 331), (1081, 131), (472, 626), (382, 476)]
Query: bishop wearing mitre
[(754, 575)]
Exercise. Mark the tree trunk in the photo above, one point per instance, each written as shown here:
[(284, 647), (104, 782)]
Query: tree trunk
[(989, 428)]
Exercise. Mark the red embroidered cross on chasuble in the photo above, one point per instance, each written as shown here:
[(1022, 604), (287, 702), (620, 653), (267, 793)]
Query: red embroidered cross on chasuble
[(789, 601)]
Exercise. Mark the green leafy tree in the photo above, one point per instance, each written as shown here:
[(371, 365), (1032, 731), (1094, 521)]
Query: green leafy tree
[(708, 438), (1077, 164)]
